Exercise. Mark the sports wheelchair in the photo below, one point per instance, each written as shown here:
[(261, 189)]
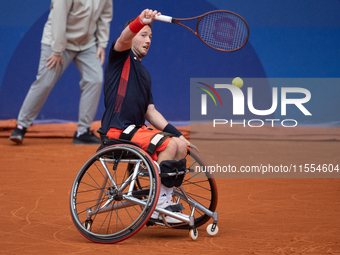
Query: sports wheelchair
[(116, 191)]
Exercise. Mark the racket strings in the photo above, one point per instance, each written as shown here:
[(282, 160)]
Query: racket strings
[(223, 30)]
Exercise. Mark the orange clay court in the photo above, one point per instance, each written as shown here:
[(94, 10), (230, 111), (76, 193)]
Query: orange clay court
[(256, 215)]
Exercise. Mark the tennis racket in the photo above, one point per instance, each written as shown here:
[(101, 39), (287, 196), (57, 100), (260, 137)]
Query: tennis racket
[(220, 30)]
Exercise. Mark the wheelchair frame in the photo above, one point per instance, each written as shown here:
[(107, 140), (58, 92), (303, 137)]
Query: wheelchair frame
[(116, 191)]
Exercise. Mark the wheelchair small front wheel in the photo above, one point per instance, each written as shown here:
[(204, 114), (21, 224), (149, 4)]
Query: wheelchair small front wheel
[(212, 229), (193, 233)]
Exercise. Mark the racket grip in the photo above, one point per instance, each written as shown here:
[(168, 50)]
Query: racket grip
[(164, 18)]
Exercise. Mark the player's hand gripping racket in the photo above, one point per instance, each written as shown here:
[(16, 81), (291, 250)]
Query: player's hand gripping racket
[(220, 30)]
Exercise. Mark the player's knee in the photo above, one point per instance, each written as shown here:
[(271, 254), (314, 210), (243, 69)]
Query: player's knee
[(181, 147), (172, 147)]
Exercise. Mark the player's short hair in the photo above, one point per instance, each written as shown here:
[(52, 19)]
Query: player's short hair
[(127, 23)]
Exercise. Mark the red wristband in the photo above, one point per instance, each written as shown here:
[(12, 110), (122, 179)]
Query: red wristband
[(136, 25)]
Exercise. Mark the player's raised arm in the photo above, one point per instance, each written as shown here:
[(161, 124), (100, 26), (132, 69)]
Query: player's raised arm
[(125, 39)]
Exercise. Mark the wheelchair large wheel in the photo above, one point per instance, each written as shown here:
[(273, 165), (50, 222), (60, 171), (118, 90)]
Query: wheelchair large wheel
[(198, 186), (114, 194)]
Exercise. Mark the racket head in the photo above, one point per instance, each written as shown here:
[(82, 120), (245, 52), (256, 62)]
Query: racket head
[(222, 30)]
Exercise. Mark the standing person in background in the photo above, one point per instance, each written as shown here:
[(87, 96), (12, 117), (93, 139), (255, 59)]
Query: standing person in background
[(76, 30)]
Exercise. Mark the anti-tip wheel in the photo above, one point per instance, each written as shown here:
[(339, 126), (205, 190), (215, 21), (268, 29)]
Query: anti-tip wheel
[(211, 230), (193, 233)]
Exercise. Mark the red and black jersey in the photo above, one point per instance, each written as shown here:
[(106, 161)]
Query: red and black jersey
[(127, 91)]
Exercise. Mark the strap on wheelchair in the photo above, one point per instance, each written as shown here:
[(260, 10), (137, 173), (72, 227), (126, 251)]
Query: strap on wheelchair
[(129, 132), (172, 172), (156, 141)]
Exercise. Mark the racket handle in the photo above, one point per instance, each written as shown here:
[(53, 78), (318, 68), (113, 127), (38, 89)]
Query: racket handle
[(164, 18)]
